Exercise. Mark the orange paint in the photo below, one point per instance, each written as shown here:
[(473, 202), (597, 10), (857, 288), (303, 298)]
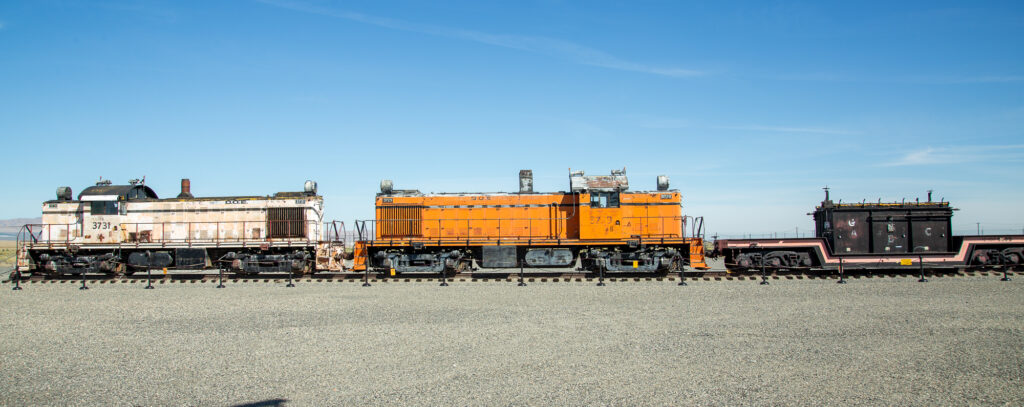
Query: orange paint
[(562, 219)]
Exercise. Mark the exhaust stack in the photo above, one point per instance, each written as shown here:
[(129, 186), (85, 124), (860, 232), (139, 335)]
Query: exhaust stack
[(525, 181), (186, 189)]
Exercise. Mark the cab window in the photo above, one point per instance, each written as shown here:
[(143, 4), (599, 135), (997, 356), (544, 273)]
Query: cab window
[(604, 200), (103, 208)]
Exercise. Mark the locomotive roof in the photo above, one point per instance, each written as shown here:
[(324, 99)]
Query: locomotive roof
[(883, 205), (142, 192), (413, 192), (137, 191)]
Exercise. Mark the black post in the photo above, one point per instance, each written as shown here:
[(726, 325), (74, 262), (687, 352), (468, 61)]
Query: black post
[(521, 282), (290, 283), (1006, 277), (366, 277), (220, 272), (841, 272), (17, 279), (600, 275), (83, 287), (764, 275), (920, 262), (682, 276), (149, 277), (444, 278)]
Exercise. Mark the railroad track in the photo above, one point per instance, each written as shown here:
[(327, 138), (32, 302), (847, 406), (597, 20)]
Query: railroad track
[(510, 277)]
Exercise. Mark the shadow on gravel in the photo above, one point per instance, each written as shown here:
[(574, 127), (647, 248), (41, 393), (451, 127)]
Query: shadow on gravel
[(264, 403)]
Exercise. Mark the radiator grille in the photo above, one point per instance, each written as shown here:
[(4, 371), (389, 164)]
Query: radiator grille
[(286, 222), (400, 221)]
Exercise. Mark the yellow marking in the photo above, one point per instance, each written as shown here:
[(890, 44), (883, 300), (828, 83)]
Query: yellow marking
[(392, 272), (906, 262), (165, 270), (636, 264)]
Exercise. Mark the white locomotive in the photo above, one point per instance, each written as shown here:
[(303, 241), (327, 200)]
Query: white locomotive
[(127, 228)]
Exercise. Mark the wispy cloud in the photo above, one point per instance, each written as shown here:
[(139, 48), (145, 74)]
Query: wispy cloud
[(542, 45), (788, 129), (958, 154)]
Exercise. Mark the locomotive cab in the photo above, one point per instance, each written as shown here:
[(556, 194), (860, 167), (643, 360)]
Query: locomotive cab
[(104, 207), (600, 204)]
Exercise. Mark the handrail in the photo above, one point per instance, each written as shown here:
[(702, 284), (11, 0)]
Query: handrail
[(367, 229), (155, 232), (332, 232)]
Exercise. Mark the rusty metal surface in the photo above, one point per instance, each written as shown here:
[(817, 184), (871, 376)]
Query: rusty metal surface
[(186, 189), (121, 191), (526, 182), (884, 227), (578, 181)]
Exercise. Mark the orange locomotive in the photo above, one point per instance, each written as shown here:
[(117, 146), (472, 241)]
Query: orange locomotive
[(597, 223)]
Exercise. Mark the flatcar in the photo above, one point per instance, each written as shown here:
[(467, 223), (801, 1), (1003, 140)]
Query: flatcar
[(598, 225), (122, 229), (876, 236)]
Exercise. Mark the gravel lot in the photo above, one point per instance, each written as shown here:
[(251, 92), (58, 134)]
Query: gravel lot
[(892, 341)]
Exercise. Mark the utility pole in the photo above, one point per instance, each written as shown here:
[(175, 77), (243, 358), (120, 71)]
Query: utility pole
[(979, 227)]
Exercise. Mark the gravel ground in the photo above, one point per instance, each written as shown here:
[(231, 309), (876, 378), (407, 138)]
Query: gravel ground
[(891, 341)]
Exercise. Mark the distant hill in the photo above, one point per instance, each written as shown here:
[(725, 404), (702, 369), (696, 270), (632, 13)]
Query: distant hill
[(9, 227)]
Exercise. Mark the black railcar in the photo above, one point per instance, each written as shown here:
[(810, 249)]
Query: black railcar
[(876, 235)]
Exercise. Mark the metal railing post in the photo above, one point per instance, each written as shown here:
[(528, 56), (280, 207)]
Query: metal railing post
[(920, 262), (220, 273), (149, 272), (17, 277), (682, 275), (764, 275), (522, 261)]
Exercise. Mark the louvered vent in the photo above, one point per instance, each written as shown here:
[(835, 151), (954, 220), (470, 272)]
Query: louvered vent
[(401, 221), (286, 222)]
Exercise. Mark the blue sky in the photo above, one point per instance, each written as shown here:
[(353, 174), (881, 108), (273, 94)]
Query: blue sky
[(749, 107)]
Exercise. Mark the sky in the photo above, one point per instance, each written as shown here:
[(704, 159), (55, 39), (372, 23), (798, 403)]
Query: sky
[(751, 108)]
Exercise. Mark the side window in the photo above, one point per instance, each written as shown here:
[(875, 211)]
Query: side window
[(103, 208), (604, 200)]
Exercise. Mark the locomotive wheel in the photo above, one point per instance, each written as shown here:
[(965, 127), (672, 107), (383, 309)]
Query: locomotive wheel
[(304, 271), (677, 264)]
